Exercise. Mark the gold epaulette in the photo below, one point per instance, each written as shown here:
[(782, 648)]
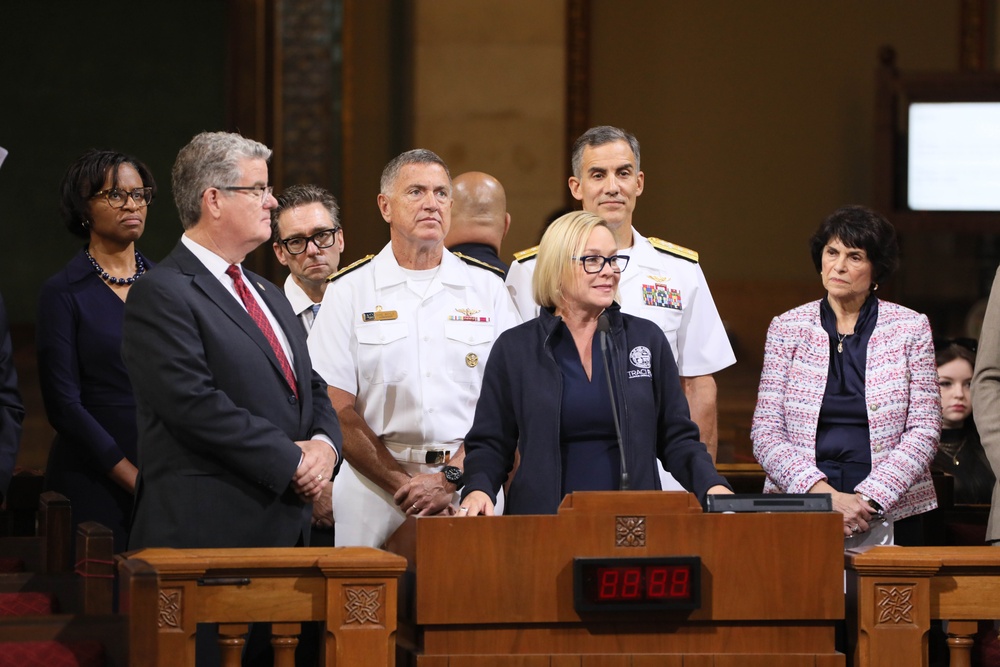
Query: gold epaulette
[(350, 267), (527, 254), (472, 261), (673, 249)]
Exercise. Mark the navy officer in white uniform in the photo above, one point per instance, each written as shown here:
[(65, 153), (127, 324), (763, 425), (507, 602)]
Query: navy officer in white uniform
[(403, 351), (664, 282)]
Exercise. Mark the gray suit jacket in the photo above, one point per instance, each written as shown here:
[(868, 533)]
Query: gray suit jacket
[(216, 418), (986, 398)]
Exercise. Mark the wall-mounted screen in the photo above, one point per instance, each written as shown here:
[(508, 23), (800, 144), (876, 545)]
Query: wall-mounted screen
[(953, 156)]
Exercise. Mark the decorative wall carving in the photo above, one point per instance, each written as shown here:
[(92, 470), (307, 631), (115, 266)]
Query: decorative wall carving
[(895, 604), (171, 608), (308, 119), (974, 41), (364, 604), (630, 531)]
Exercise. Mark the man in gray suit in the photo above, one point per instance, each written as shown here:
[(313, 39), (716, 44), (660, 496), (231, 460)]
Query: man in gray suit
[(236, 433), (986, 400)]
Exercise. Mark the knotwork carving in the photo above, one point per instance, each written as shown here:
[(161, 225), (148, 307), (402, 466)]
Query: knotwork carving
[(364, 605), (895, 604), (171, 608), (630, 531)]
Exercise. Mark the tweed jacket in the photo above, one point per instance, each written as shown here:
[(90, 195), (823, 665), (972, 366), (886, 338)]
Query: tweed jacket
[(901, 392)]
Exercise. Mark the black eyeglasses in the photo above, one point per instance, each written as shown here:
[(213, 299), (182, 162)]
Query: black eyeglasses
[(117, 198), (595, 263), (263, 190), (970, 344), (297, 245)]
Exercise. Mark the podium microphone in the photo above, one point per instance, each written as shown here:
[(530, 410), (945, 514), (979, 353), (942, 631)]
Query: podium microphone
[(604, 326)]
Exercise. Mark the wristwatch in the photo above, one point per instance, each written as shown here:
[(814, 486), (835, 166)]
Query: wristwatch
[(453, 475)]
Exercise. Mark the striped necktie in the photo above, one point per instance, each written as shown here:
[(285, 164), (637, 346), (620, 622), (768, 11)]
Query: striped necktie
[(258, 316)]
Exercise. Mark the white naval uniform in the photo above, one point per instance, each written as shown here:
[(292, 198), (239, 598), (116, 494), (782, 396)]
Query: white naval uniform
[(301, 302), (413, 353), (665, 289)]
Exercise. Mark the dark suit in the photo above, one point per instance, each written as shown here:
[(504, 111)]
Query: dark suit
[(216, 419), (11, 407)]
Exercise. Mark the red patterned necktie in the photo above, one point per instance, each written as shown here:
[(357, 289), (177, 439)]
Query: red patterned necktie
[(253, 308)]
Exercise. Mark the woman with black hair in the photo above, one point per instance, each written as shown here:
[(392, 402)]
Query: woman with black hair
[(848, 403), (87, 393)]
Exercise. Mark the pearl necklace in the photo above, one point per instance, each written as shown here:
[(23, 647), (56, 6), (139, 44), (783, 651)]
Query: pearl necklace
[(140, 268)]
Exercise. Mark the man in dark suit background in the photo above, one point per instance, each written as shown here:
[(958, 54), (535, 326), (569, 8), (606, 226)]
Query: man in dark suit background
[(11, 407), (236, 433)]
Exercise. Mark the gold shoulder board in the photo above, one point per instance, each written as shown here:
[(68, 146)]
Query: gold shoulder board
[(350, 267), (472, 261), (674, 249), (526, 254)]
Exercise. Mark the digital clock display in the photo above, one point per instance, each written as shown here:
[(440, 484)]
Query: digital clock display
[(637, 584)]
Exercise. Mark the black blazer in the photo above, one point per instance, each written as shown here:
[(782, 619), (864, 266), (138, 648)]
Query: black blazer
[(216, 418)]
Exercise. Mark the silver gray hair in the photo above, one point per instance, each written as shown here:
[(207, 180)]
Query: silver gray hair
[(415, 156), (599, 136), (210, 160)]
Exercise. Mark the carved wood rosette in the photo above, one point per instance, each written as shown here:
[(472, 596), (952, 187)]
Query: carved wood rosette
[(630, 531)]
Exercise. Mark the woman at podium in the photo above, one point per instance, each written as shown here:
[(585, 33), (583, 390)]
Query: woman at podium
[(587, 395), (848, 402)]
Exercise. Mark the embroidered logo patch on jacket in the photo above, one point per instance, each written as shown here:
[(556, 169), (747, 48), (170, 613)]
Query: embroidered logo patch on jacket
[(642, 360)]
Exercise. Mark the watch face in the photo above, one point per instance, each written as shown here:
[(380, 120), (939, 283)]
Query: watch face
[(452, 474)]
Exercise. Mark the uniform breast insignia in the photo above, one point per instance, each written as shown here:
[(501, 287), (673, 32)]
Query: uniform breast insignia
[(468, 315), (661, 296), (472, 360), (379, 315), (673, 249), (526, 254), (350, 267)]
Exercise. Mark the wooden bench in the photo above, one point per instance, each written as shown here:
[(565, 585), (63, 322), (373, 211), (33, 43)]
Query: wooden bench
[(50, 550), (894, 592), (86, 588), (126, 639), (20, 506), (57, 609), (353, 590)]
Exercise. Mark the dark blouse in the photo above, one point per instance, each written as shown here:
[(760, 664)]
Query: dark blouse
[(961, 455), (843, 442), (588, 442)]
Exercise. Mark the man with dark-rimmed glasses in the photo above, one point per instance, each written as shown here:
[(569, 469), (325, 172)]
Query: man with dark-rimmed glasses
[(308, 239)]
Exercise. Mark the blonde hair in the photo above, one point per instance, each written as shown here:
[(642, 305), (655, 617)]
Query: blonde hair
[(564, 239)]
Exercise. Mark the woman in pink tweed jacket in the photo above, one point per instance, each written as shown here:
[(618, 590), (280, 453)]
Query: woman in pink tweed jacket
[(850, 385)]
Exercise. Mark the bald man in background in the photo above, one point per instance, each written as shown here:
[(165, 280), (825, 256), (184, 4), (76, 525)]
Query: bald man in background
[(479, 219)]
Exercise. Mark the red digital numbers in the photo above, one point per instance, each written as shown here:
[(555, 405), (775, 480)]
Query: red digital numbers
[(647, 582)]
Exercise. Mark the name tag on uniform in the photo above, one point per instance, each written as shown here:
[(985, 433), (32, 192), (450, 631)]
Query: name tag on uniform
[(379, 315)]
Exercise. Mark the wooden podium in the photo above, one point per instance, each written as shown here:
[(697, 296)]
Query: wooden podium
[(499, 591)]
